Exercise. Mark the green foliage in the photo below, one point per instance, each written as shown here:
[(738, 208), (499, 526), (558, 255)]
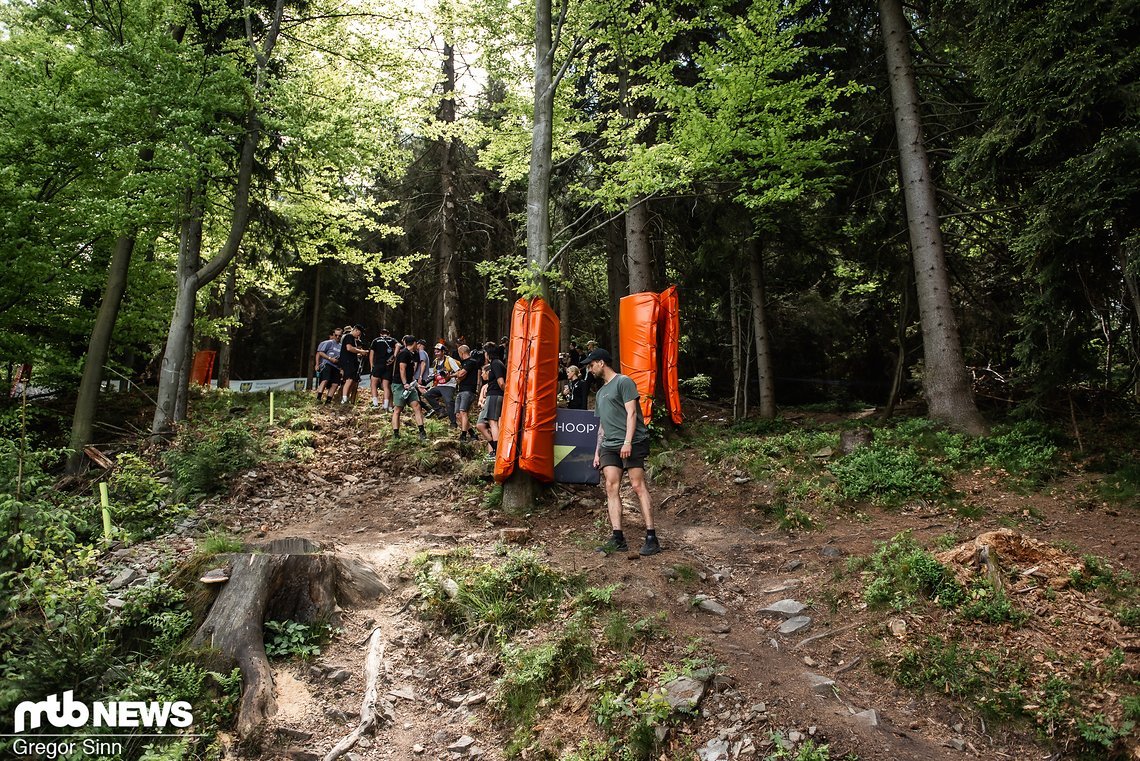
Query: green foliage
[(536, 674), (790, 518), (888, 475), (206, 455), (698, 386), (901, 572), (1027, 450), (298, 445), (220, 543), (140, 503), (808, 750), (488, 601), (286, 639), (984, 603), (1122, 485)]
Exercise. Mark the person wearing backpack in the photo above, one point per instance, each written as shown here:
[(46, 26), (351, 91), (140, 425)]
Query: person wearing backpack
[(444, 370)]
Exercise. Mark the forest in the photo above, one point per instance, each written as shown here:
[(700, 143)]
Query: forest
[(906, 245), (241, 178)]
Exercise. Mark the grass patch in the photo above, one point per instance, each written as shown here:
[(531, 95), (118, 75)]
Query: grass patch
[(1123, 485), (902, 573), (491, 602), (220, 543), (887, 475)]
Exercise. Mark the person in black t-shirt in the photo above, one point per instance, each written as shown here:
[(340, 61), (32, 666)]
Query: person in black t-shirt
[(467, 380), (404, 389), (351, 350), (494, 375), (576, 389), (382, 355)]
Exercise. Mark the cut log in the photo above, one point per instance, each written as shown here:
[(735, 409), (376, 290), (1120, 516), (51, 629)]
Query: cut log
[(286, 580), (372, 663)]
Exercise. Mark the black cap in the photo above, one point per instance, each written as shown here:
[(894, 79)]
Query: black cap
[(358, 326), (597, 354)]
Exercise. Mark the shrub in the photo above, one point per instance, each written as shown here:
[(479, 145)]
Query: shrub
[(488, 601), (141, 505), (902, 572), (887, 474), (1026, 450), (206, 456)]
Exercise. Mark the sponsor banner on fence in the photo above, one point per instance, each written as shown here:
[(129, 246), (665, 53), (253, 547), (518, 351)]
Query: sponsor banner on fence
[(273, 384), (575, 441)]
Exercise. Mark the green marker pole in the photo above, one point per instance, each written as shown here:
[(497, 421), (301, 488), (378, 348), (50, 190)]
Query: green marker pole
[(106, 502), (271, 408)]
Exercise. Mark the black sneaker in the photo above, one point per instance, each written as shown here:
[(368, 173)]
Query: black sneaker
[(651, 547), (610, 547)]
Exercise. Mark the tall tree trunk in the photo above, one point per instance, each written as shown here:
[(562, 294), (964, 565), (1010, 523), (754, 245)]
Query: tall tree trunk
[(945, 383), (316, 335), (760, 331), (520, 490), (900, 364), (617, 282), (82, 421), (191, 278), (448, 243), (637, 250), (734, 322), (182, 403), (564, 303), (225, 351)]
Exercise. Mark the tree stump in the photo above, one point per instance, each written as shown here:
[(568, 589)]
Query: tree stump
[(286, 580)]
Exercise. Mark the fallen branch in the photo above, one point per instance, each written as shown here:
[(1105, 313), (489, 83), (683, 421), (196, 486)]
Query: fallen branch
[(368, 706), (830, 633)]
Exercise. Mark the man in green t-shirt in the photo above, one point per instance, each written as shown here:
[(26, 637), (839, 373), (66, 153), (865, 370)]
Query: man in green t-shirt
[(623, 445)]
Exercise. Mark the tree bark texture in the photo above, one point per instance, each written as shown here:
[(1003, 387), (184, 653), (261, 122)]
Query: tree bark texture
[(734, 322), (945, 382), (639, 256), (448, 237), (764, 372), (225, 350), (192, 277), (617, 281), (98, 347), (288, 580), (520, 490)]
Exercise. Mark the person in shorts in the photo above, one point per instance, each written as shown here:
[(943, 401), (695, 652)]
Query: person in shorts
[(351, 350), (494, 376), (466, 383), (328, 371), (404, 389), (381, 355), (623, 446)]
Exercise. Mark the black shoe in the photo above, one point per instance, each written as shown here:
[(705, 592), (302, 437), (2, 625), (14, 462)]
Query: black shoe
[(651, 547), (611, 547), (423, 436)]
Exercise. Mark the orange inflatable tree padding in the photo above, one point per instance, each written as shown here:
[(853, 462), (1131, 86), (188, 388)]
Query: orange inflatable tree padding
[(514, 391), (202, 371), (669, 331), (638, 336), (536, 450)]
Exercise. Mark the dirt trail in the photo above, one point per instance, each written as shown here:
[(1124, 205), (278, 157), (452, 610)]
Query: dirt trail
[(352, 497)]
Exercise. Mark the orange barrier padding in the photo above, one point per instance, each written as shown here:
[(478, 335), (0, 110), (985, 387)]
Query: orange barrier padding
[(514, 392), (536, 450), (670, 331), (638, 337), (202, 370)]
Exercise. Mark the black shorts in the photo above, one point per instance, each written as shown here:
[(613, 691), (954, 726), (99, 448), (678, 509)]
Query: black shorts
[(329, 374), (351, 371), (611, 458)]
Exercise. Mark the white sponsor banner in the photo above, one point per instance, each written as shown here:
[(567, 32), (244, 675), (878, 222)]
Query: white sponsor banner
[(273, 384)]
